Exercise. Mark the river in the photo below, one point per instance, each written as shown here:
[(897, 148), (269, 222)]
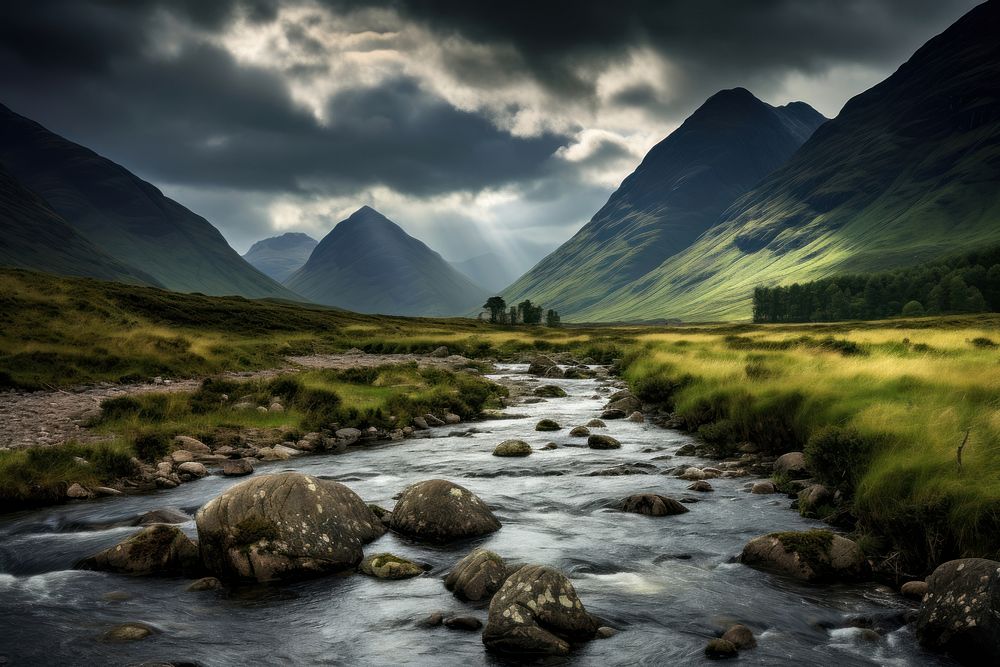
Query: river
[(668, 584)]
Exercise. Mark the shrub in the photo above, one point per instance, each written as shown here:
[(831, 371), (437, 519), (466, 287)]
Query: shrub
[(209, 396), (913, 309), (120, 407), (658, 388), (151, 447), (839, 457), (982, 342)]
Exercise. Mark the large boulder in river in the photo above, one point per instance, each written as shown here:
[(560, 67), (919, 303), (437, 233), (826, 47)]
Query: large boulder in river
[(541, 365), (961, 611), (477, 576), (550, 391), (791, 465), (812, 555), (159, 549), (627, 404), (389, 566), (651, 504), (284, 526), (512, 448), (537, 612), (441, 511), (597, 441)]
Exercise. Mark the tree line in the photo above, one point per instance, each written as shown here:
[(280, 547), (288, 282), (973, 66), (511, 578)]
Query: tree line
[(966, 284), (523, 313)]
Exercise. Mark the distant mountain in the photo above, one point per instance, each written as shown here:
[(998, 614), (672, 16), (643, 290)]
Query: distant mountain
[(126, 217), (281, 256), (368, 264), (908, 172), (489, 271), (33, 236), (678, 191)]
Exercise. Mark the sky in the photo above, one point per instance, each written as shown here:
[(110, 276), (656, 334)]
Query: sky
[(478, 126)]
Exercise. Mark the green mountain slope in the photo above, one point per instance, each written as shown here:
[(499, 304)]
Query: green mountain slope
[(34, 237), (907, 172), (125, 216), (681, 187), (280, 256), (368, 264)]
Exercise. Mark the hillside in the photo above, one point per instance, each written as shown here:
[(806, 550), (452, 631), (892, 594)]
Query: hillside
[(905, 174), (126, 217), (489, 271), (681, 187), (368, 264), (280, 256)]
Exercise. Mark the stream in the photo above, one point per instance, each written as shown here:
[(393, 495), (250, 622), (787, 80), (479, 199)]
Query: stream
[(669, 584)]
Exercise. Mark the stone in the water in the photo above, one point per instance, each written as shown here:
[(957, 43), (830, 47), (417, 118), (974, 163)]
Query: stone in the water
[(651, 504), (763, 488), (602, 442), (193, 468), (77, 492), (718, 649), (580, 432), (614, 413), (547, 425), (686, 450), (961, 611), (434, 620), (604, 632), (537, 612), (470, 623), (812, 555), (284, 526), (116, 596), (550, 391), (624, 469), (159, 549), (596, 423), (165, 515), (550, 446), (542, 365), (792, 465), (693, 474), (433, 421), (128, 632), (477, 576), (441, 511), (700, 485), (636, 417), (741, 637), (389, 566), (205, 584), (512, 448), (914, 590), (237, 467)]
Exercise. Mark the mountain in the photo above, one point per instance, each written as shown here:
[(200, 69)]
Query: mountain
[(907, 172), (681, 187), (126, 217), (35, 237), (368, 264), (488, 270), (281, 256)]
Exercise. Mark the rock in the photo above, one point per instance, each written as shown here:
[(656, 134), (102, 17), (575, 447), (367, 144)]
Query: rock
[(550, 446), (441, 511), (813, 497), (192, 445), (596, 423), (541, 365), (106, 491), (915, 590), (687, 450), (181, 456), (537, 612), (700, 485), (579, 432), (236, 467), (636, 417), (550, 391), (128, 632), (692, 474), (623, 469), (77, 492), (763, 488), (261, 409), (602, 442), (613, 414), (204, 584), (116, 596), (166, 483), (512, 448), (276, 407), (433, 421), (434, 620), (193, 468), (463, 623), (741, 637), (389, 566), (604, 632), (813, 556), (791, 465), (547, 425), (164, 468), (477, 576), (348, 435), (159, 549), (283, 526), (167, 515), (961, 611), (718, 649), (451, 418), (420, 423), (627, 404), (651, 504), (440, 352)]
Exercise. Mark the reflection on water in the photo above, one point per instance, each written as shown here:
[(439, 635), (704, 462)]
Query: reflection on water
[(668, 583)]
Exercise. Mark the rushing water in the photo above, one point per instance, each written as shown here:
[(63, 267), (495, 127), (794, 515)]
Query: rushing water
[(669, 583)]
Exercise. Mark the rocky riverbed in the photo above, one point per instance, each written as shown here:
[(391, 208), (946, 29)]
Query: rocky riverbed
[(662, 584)]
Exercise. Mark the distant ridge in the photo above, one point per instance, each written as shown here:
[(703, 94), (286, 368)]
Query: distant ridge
[(280, 256)]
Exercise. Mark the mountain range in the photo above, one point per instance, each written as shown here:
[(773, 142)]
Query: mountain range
[(280, 256), (368, 264)]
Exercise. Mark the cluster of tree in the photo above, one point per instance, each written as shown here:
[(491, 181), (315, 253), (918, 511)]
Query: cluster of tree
[(523, 313), (965, 284)]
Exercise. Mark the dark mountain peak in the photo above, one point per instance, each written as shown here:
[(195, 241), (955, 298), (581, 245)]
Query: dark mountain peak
[(280, 256), (282, 242)]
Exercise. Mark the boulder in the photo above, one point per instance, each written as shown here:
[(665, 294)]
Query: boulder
[(192, 445), (961, 611), (764, 487), (204, 584), (627, 404), (193, 468), (550, 446), (636, 417), (550, 391), (700, 485), (128, 632), (347, 435), (470, 623), (77, 492), (579, 432), (540, 365), (741, 637), (693, 474), (441, 511), (237, 467), (613, 414), (432, 420), (602, 442), (157, 550), (718, 649), (477, 576), (651, 504), (420, 423), (181, 456), (812, 555), (451, 418), (687, 450), (915, 590), (813, 497), (596, 423), (389, 566), (791, 465), (440, 352), (535, 613), (284, 526), (166, 515), (547, 425), (512, 448)]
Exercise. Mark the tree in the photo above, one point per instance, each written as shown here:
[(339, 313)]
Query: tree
[(512, 318), (497, 306), (552, 318), (913, 309), (529, 313)]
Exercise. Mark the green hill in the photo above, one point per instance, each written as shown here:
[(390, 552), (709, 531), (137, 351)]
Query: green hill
[(906, 173), (682, 186)]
